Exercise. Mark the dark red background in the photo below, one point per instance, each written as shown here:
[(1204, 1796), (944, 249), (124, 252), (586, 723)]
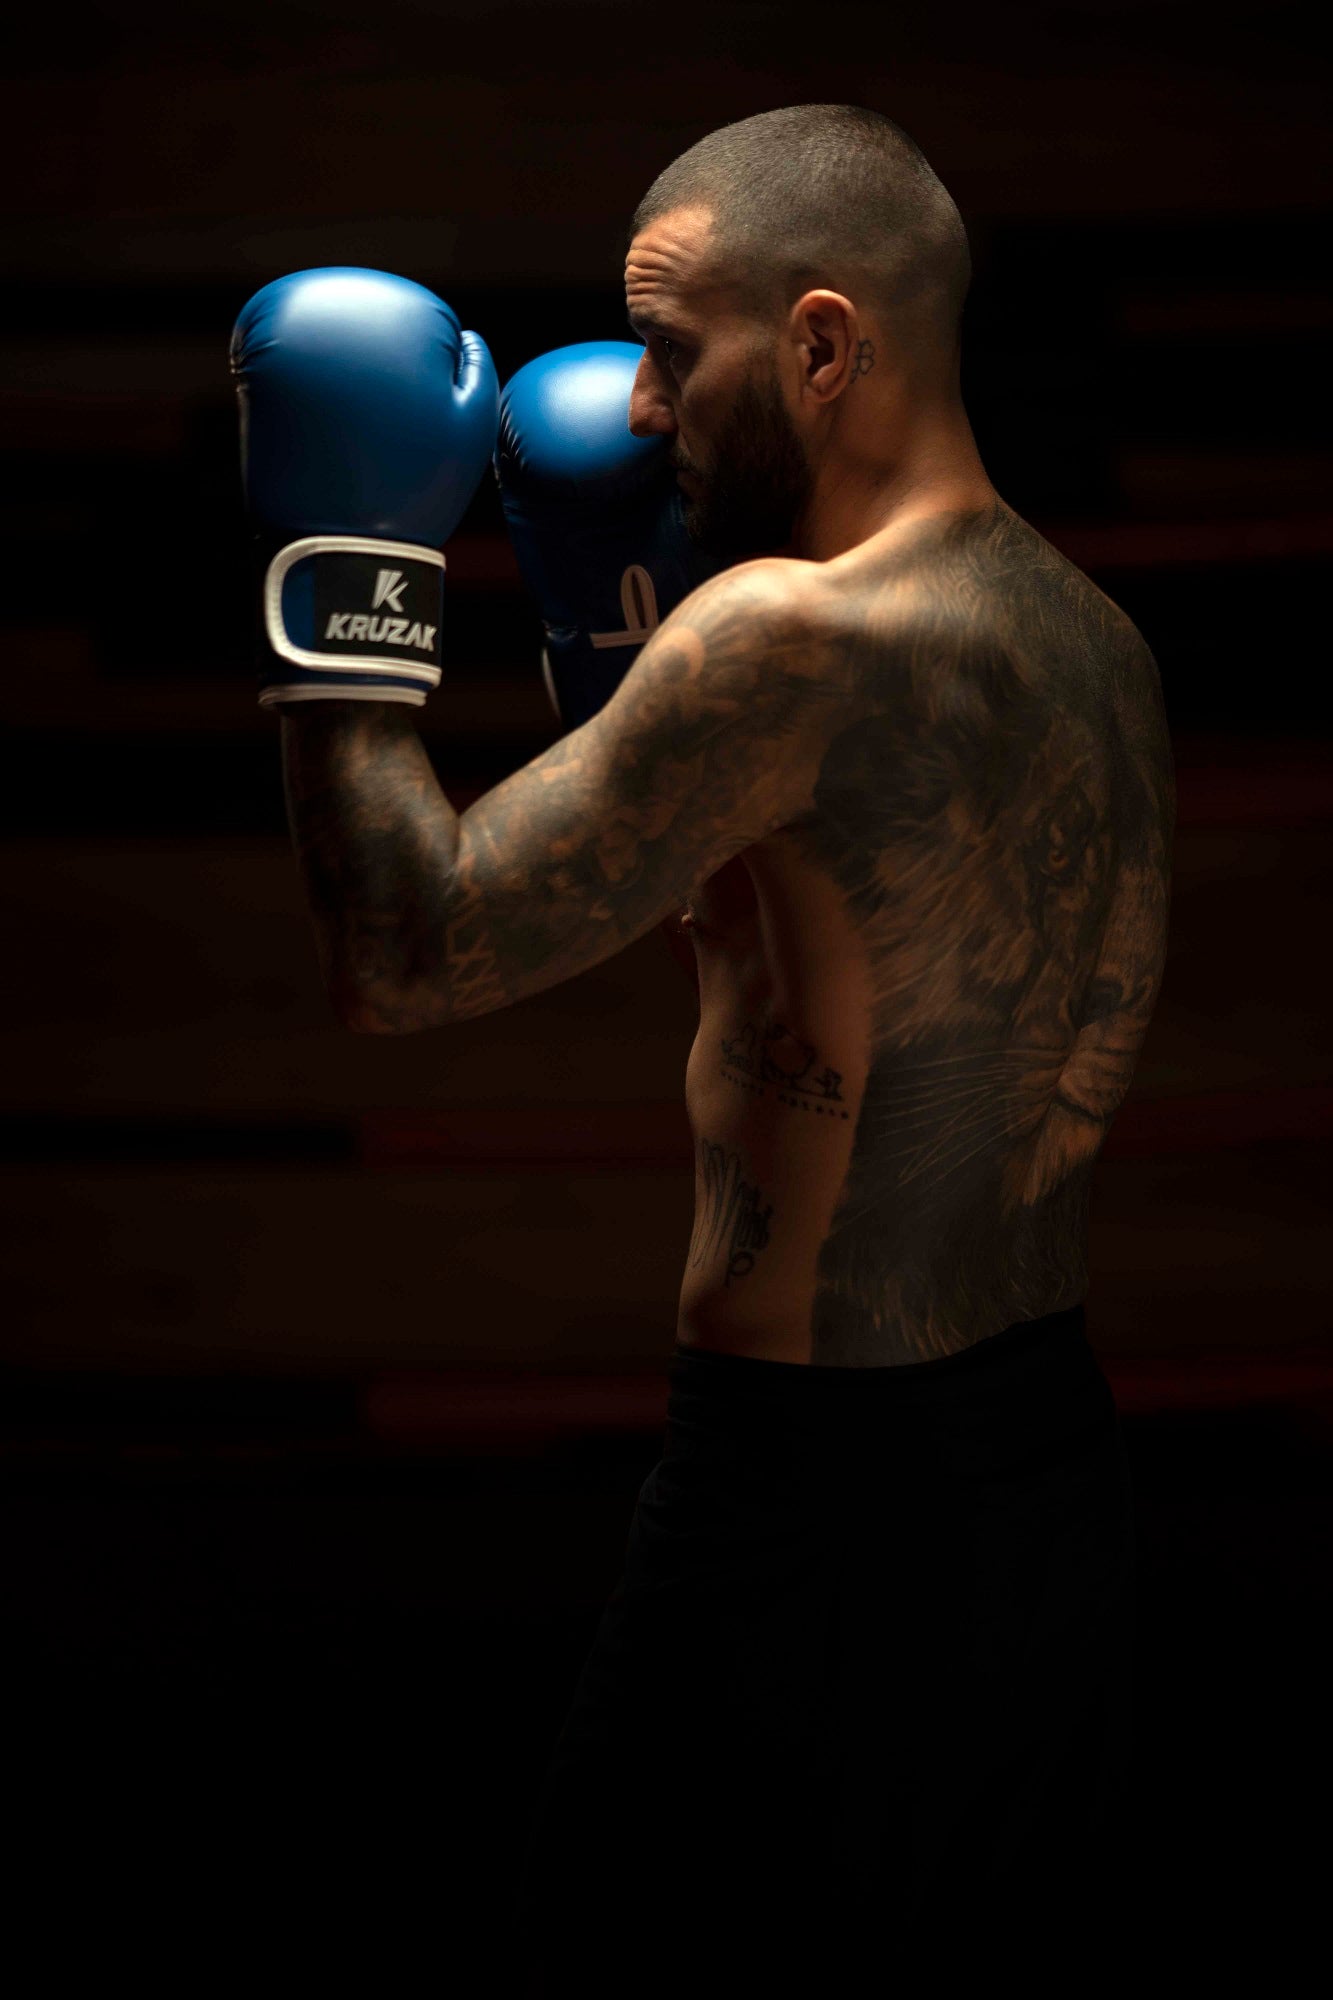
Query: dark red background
[(332, 1365)]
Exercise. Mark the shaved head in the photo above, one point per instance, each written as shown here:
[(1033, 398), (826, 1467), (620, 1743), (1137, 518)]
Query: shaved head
[(798, 281), (826, 195)]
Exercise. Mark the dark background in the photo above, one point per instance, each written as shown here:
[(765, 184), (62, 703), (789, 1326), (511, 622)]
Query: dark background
[(332, 1365)]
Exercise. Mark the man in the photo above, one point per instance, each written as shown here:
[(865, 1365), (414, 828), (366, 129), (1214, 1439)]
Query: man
[(860, 1700)]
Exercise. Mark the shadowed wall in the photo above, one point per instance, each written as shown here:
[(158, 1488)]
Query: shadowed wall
[(261, 1274)]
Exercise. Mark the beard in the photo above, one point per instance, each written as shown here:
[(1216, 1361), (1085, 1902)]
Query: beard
[(748, 504)]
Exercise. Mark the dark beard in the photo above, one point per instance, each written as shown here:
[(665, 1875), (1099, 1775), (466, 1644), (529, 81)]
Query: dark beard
[(748, 503)]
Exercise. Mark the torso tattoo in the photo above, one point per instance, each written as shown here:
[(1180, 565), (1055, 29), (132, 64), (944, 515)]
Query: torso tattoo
[(922, 1004), (924, 794)]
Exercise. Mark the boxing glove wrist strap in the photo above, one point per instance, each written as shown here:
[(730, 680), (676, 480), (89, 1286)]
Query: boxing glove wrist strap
[(348, 618)]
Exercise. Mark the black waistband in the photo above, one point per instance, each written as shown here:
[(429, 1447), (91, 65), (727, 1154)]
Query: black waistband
[(1037, 1378)]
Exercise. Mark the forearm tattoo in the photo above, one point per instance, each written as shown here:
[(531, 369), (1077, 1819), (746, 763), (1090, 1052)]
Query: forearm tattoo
[(425, 918)]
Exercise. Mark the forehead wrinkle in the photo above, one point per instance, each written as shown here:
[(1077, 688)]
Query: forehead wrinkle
[(666, 309), (662, 255), (646, 288), (654, 258)]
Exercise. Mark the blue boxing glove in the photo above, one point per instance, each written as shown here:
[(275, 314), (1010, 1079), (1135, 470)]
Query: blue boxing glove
[(595, 516), (367, 421)]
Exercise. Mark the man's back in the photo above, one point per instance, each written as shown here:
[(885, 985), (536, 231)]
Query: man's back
[(922, 1002)]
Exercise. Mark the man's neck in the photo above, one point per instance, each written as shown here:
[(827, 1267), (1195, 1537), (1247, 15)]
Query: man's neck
[(858, 497), (840, 530)]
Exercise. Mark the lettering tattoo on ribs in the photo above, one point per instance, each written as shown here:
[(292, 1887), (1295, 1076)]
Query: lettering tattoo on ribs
[(731, 1214), (767, 1052)]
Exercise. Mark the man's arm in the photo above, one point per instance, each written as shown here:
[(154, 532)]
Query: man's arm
[(712, 741)]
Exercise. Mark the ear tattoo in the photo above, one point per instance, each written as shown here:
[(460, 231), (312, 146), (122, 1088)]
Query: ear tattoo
[(864, 359)]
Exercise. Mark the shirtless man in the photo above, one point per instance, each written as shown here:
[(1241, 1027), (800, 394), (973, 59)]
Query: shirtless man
[(905, 771)]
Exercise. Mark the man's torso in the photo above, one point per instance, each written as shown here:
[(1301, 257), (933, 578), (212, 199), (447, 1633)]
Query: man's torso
[(921, 1004)]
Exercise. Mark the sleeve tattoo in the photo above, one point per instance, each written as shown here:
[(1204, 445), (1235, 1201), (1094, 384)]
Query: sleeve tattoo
[(424, 917)]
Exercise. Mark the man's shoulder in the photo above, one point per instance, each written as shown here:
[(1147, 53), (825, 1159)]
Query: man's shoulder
[(960, 585), (748, 621), (773, 583), (750, 642), (776, 609)]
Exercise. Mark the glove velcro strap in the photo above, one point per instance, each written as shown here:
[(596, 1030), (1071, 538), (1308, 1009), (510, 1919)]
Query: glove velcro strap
[(357, 615)]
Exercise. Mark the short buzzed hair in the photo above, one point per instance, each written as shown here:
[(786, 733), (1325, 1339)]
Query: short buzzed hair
[(827, 195)]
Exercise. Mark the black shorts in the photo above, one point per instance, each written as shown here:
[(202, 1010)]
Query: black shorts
[(861, 1701)]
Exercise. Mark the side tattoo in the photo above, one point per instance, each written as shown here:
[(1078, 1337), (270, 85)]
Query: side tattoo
[(731, 1215), (767, 1052), (998, 816)]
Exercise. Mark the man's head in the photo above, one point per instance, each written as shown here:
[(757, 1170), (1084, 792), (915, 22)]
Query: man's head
[(796, 276)]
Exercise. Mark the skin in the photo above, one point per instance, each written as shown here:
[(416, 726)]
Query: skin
[(820, 438), (906, 771)]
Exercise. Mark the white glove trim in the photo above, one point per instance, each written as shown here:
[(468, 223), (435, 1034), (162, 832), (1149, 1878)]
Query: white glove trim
[(272, 695), (353, 545)]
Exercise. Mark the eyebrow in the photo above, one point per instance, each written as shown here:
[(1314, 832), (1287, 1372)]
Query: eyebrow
[(645, 323)]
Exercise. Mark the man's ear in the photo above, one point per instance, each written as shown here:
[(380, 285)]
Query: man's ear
[(828, 324)]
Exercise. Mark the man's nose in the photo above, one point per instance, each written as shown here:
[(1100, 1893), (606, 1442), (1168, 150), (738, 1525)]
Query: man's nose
[(650, 411)]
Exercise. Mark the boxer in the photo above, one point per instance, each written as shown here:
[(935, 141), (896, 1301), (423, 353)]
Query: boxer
[(858, 1707)]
